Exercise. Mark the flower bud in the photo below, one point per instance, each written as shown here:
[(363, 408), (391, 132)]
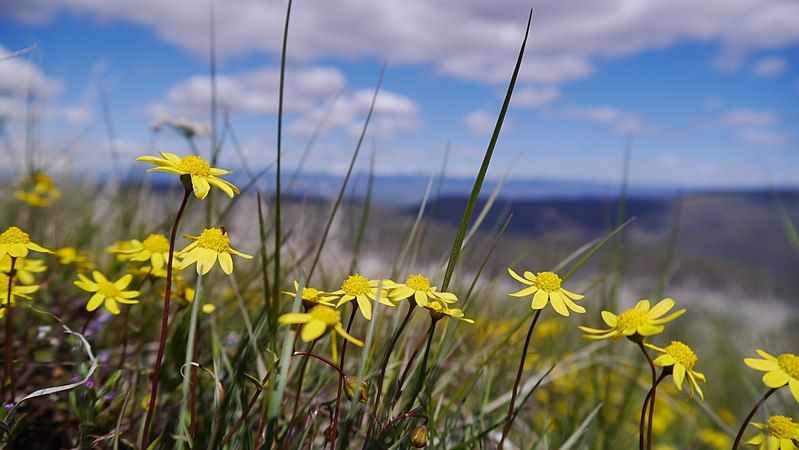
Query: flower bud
[(349, 389), (419, 437)]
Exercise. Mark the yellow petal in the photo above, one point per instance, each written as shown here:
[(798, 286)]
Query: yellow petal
[(610, 319), (294, 318), (525, 292), (764, 365), (200, 186), (123, 282), (556, 299), (312, 330), (642, 305), (340, 330), (94, 302), (775, 379), (679, 375), (226, 262), (793, 384), (540, 299), (662, 307), (111, 305), (365, 306), (518, 277)]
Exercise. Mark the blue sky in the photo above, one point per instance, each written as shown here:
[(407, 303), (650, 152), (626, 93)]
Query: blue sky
[(710, 102)]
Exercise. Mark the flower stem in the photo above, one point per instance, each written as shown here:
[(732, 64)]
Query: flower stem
[(381, 378), (334, 425), (406, 371), (10, 333), (509, 419), (650, 401), (164, 321), (650, 396), (749, 417), (299, 383)]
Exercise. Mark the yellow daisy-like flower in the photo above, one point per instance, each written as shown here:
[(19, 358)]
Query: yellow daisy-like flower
[(641, 320), (16, 291), (16, 243), (311, 296), (778, 433), (70, 255), (363, 290), (39, 190), (153, 249), (682, 360), (545, 287), (439, 310), (24, 268), (107, 293), (417, 287), (210, 245), (316, 322), (202, 175), (780, 371), (120, 248)]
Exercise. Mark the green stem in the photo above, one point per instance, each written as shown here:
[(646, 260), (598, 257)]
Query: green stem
[(749, 417), (510, 416), (164, 321)]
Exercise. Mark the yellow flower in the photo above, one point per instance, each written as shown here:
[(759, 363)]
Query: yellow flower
[(16, 243), (39, 190), (439, 310), (316, 322), (545, 287), (715, 439), (363, 290), (682, 360), (184, 294), (210, 245), (312, 297), (202, 175), (69, 255), (154, 249), (25, 269), (641, 320), (780, 371), (107, 293), (16, 291), (778, 433), (120, 248), (417, 287)]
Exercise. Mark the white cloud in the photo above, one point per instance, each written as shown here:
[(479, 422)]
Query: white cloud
[(19, 75), (534, 97), (761, 137), (619, 121), (770, 67), (469, 39), (740, 117), (482, 123), (308, 93)]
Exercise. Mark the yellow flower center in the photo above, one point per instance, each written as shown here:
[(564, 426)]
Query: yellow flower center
[(631, 319), (789, 364), (782, 427), (156, 243), (356, 285), (195, 165), (14, 235), (547, 281), (418, 282), (310, 293), (214, 239), (107, 289), (326, 314), (682, 354)]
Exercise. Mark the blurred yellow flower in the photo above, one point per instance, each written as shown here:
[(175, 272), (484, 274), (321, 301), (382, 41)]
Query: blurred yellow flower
[(316, 322), (202, 175), (70, 255), (715, 439), (640, 320), (16, 291), (780, 371), (682, 360), (153, 249), (16, 243), (778, 433), (417, 287), (311, 296), (119, 248), (210, 245), (38, 190), (439, 310), (363, 290), (107, 293), (545, 287), (24, 268)]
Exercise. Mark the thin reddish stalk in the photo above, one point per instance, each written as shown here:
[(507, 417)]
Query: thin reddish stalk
[(650, 397), (509, 418), (10, 333), (334, 425), (749, 417), (164, 320)]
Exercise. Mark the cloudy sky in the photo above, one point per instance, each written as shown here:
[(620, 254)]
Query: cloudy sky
[(708, 90)]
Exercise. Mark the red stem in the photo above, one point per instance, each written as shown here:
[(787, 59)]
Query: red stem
[(10, 333), (164, 321)]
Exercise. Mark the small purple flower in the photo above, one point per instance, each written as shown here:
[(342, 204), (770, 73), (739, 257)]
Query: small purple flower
[(90, 383), (110, 395), (9, 406), (75, 378)]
